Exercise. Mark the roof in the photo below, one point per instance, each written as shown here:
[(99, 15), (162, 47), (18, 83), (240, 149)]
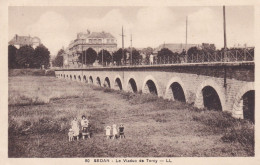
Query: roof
[(21, 40), (100, 35), (175, 47)]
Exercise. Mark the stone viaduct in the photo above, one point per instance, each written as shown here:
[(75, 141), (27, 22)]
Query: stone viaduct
[(221, 86)]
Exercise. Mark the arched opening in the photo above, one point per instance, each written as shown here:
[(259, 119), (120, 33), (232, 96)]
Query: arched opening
[(64, 75), (79, 78), (177, 92), (75, 77), (132, 85), (90, 80), (249, 105), (150, 85), (70, 77), (211, 99), (118, 84), (98, 81), (107, 82), (85, 79)]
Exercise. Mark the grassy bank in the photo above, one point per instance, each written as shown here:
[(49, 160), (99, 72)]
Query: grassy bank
[(30, 72), (41, 109)]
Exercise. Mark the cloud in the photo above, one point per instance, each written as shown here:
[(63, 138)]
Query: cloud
[(205, 26), (52, 28)]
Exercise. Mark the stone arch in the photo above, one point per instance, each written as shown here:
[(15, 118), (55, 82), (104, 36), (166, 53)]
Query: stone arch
[(150, 85), (238, 107), (131, 85), (79, 78), (98, 81), (118, 83), (70, 77), (75, 78), (91, 80), (107, 82), (85, 79), (211, 86), (175, 90)]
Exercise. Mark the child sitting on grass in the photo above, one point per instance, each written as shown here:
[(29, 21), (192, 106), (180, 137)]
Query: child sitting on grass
[(75, 127)]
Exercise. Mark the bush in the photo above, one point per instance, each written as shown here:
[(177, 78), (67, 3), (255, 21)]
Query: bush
[(30, 72)]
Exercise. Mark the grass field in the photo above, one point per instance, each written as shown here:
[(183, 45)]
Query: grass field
[(41, 109)]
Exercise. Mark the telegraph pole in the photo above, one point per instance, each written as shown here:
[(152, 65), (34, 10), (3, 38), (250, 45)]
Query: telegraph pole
[(225, 39), (225, 47), (131, 51), (186, 32), (123, 42), (82, 54), (102, 52)]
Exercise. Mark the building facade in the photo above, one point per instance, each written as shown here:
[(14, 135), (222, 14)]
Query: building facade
[(19, 41), (85, 40)]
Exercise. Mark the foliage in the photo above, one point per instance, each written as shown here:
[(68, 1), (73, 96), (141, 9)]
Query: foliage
[(165, 52), (136, 57), (88, 57), (147, 51), (107, 58), (58, 61), (12, 57), (41, 57), (25, 57), (118, 55)]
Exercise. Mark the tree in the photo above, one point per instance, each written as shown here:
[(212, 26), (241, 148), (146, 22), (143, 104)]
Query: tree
[(25, 57), (41, 57), (88, 57), (106, 57), (192, 53), (136, 57), (118, 55), (165, 54), (147, 51), (58, 61), (12, 57)]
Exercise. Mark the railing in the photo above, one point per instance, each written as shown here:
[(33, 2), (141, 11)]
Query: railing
[(238, 55)]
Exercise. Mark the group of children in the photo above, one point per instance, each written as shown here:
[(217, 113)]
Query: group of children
[(74, 131), (115, 133), (75, 128)]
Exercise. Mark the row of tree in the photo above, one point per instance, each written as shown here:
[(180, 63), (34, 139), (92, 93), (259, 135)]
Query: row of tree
[(89, 56), (27, 57), (123, 56)]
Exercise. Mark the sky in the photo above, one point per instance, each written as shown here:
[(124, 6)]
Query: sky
[(149, 25)]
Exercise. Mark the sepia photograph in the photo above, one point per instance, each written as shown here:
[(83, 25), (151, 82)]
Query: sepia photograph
[(131, 82)]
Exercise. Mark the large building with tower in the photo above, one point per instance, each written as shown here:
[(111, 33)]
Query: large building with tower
[(85, 40)]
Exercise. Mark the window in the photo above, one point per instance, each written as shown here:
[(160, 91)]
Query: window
[(108, 40)]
